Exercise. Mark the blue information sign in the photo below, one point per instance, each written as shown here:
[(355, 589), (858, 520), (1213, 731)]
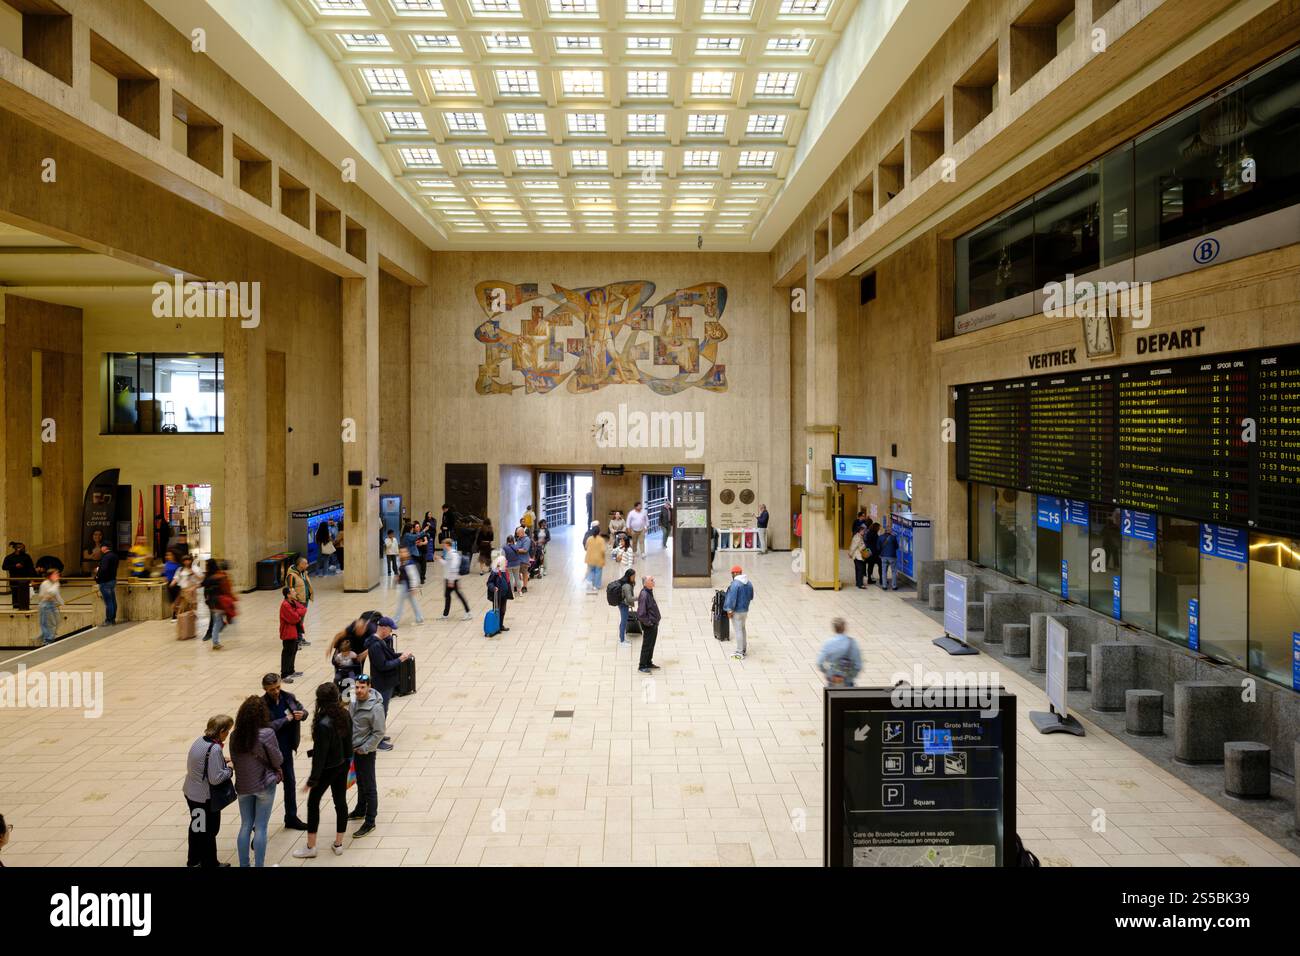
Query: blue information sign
[(1065, 578), (1114, 596), (1138, 524), (1220, 541), (1076, 512), (1194, 624), (1049, 513), (937, 740), (1295, 660)]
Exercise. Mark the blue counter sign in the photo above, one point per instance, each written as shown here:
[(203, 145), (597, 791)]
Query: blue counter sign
[(1065, 578), (1076, 512), (1114, 596), (1295, 660), (1138, 524), (1049, 513), (1220, 541), (1194, 624)]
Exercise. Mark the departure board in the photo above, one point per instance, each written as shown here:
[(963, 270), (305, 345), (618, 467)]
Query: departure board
[(1179, 449), (1072, 436), (1214, 438), (1275, 490), (996, 434)]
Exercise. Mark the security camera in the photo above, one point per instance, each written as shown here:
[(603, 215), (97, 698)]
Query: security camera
[(378, 483)]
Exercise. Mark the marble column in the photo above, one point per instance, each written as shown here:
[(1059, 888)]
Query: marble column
[(239, 521), (774, 482), (424, 465), (360, 431), (820, 537)]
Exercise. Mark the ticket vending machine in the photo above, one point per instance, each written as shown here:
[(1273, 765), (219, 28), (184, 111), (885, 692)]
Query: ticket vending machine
[(915, 542)]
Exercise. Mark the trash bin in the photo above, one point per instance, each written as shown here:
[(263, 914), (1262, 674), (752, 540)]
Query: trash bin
[(271, 570)]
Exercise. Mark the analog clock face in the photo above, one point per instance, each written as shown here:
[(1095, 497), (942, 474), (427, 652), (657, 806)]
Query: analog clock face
[(1097, 335)]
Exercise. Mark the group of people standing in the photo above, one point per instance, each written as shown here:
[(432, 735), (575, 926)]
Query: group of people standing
[(873, 548), (184, 583)]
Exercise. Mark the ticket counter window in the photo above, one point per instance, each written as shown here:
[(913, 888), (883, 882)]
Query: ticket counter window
[(1075, 552), (1138, 550), (1027, 537), (1274, 606), (1048, 553), (1177, 577), (1104, 557), (1005, 513), (1222, 619), (984, 525)]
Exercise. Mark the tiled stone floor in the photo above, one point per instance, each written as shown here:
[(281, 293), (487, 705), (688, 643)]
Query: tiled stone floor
[(712, 762)]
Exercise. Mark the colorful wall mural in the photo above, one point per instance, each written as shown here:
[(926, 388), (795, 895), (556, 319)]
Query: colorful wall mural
[(585, 339)]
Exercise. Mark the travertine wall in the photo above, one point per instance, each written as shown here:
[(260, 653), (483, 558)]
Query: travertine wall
[(44, 512), (557, 429)]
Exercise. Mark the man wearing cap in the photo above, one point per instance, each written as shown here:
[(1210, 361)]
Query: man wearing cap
[(739, 593), (382, 661), (367, 740)]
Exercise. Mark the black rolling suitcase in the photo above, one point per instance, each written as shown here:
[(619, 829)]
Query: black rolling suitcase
[(405, 678), (721, 623)]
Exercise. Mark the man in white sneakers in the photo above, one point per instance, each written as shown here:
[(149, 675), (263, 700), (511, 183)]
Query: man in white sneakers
[(638, 522)]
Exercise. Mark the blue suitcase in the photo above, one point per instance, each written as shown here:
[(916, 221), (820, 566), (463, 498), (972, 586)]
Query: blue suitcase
[(491, 623)]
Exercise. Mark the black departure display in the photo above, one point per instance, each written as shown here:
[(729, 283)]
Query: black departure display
[(1275, 478), (1072, 436), (1180, 439), (1214, 439)]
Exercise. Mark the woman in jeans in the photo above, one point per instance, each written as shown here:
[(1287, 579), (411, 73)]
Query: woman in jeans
[(257, 760), (206, 767), (331, 753)]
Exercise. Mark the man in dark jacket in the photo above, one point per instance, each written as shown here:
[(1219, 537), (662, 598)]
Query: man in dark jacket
[(18, 565), (382, 662), (647, 612), (106, 578), (888, 544), (287, 715)]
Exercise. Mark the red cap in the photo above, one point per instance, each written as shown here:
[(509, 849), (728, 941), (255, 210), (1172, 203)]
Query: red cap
[(737, 569)]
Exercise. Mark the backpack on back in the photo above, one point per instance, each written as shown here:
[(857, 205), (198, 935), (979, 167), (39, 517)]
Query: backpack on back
[(614, 593)]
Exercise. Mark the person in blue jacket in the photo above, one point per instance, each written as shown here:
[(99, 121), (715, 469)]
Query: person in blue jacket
[(888, 545), (739, 595)]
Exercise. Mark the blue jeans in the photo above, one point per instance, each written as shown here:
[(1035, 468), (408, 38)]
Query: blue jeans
[(254, 817), (49, 621), (406, 596), (594, 574), (218, 622), (108, 591), (888, 574), (622, 623)]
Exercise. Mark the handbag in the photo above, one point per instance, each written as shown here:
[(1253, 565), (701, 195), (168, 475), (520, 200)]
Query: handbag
[(220, 795), (327, 547)]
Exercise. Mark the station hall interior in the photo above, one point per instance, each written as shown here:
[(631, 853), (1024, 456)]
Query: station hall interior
[(995, 302)]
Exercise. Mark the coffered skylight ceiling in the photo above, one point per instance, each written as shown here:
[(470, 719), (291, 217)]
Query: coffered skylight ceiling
[(584, 117)]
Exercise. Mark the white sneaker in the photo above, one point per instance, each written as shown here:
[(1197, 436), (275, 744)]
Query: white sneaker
[(737, 657), (469, 616), (305, 853), (338, 850)]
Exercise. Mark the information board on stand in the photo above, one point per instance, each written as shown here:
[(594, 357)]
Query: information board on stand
[(920, 776), (1058, 721), (954, 616)]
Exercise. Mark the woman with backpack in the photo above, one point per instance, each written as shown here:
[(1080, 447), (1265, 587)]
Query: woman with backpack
[(499, 591), (626, 598), (331, 755)]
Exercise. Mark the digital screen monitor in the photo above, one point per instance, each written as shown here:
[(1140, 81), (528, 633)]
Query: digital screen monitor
[(854, 469)]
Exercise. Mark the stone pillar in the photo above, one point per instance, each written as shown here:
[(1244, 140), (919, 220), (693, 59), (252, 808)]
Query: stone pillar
[(774, 483), (820, 534), (238, 515), (423, 405), (360, 325)]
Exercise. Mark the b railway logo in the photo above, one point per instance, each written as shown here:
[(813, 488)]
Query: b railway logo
[(1207, 250)]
